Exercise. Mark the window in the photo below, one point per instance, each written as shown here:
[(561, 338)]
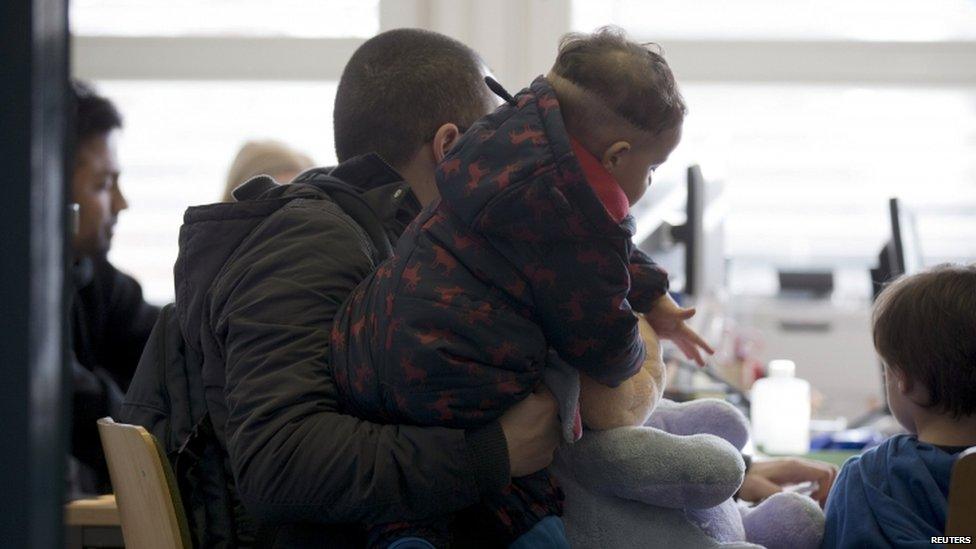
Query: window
[(893, 20), (810, 168), (293, 18), (818, 123), (194, 80), (178, 141)]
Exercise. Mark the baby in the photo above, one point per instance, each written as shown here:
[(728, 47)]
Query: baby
[(528, 250), (895, 495)]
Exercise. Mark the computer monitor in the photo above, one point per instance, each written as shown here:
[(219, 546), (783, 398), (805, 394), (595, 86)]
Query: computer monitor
[(702, 236), (901, 254), (904, 237)]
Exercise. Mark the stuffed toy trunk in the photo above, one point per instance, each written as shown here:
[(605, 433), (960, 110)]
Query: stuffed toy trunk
[(649, 472)]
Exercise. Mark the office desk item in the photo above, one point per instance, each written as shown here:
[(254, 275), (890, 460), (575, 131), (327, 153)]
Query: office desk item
[(96, 511), (819, 283), (830, 341), (150, 508), (93, 522), (685, 232), (685, 384), (901, 254), (848, 439), (781, 410)]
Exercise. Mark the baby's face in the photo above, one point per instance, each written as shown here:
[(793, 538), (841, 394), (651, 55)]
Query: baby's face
[(635, 168)]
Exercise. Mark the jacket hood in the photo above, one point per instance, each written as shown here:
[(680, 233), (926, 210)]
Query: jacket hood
[(211, 235), (906, 487), (517, 143), (895, 492), (208, 239)]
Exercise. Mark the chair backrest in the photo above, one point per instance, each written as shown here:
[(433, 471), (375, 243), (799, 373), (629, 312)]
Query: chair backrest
[(961, 521), (148, 499)]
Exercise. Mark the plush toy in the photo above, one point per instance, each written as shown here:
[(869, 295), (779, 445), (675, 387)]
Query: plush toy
[(649, 472)]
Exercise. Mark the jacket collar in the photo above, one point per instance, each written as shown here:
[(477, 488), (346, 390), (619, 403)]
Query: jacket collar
[(367, 171), (383, 189), (602, 182)]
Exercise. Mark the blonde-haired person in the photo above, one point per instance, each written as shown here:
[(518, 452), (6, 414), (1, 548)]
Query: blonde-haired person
[(270, 157)]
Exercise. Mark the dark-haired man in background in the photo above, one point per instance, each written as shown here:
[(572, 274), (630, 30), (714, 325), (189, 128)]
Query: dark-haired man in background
[(110, 322), (257, 298)]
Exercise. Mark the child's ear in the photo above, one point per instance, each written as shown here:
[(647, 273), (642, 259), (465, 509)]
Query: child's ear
[(904, 383), (614, 153), (897, 380), (914, 391)]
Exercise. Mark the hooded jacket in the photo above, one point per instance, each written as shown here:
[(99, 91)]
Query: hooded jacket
[(518, 256), (257, 285), (893, 495)]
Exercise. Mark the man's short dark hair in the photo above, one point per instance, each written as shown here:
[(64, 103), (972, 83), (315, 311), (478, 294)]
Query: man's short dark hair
[(94, 114), (399, 87), (925, 327), (633, 80)]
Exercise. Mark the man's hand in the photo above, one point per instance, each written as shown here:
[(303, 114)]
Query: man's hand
[(768, 477), (532, 432), (668, 320)]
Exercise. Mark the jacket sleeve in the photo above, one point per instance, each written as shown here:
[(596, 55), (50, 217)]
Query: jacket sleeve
[(578, 282), (648, 281), (294, 455), (584, 309)]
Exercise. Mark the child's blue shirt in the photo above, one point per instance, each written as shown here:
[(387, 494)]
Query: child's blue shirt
[(893, 495)]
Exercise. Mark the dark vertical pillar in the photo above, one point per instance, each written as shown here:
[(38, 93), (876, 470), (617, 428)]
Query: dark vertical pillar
[(34, 69)]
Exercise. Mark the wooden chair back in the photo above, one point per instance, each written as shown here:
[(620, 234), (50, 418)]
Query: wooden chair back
[(148, 498), (961, 519)]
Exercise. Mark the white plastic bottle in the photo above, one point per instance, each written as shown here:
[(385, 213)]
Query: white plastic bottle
[(781, 410)]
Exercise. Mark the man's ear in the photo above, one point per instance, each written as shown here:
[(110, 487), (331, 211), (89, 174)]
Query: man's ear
[(445, 138), (614, 153)]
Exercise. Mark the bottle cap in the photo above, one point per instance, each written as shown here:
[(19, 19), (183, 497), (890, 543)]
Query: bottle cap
[(781, 368)]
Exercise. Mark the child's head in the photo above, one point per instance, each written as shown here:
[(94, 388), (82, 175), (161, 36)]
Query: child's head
[(620, 100), (925, 331)]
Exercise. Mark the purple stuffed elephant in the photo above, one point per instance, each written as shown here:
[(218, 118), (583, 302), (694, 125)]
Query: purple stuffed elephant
[(671, 481)]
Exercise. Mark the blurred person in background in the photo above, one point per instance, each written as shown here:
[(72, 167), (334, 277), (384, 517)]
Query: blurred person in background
[(110, 321), (268, 157)]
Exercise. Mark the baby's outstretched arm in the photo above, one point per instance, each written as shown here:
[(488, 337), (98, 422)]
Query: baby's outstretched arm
[(649, 295), (668, 320)]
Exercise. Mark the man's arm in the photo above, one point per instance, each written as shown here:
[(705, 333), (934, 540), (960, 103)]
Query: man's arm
[(295, 457)]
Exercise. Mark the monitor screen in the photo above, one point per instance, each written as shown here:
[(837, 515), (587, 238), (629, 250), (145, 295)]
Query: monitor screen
[(904, 240)]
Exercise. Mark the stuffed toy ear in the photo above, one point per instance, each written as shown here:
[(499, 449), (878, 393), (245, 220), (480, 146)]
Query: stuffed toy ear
[(564, 382)]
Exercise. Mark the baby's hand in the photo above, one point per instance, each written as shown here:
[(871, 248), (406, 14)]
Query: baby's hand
[(668, 320)]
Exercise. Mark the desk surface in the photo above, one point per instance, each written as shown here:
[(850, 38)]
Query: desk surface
[(97, 511)]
